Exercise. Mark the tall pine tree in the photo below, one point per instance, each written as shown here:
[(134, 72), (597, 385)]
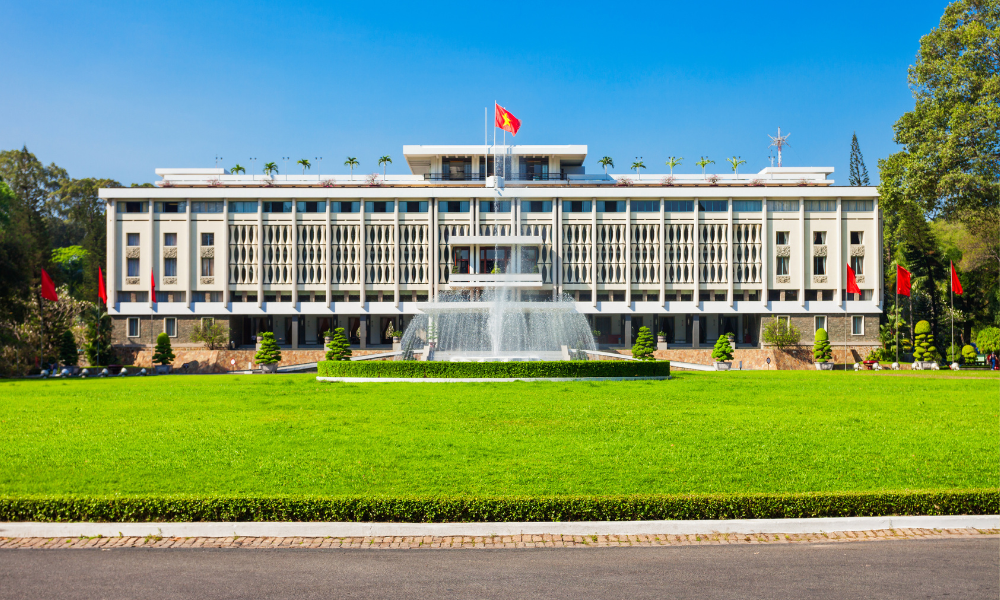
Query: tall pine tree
[(859, 173)]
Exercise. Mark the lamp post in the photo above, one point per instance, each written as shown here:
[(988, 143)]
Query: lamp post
[(285, 158), (319, 173), (253, 168)]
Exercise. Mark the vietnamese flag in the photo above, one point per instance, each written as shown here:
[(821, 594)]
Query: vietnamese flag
[(852, 282), (956, 285), (152, 286), (102, 293), (49, 288), (506, 121), (902, 281)]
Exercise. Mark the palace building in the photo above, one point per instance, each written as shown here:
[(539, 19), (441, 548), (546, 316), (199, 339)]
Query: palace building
[(691, 256)]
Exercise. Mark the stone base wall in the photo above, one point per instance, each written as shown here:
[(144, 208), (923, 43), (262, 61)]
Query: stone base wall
[(218, 361), (150, 328), (797, 357)]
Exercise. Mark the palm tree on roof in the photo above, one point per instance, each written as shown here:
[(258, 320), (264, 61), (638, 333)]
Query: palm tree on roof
[(736, 162), (305, 164), (637, 165), (704, 162), (606, 162), (672, 162), (383, 161), (270, 169), (238, 169), (351, 162)]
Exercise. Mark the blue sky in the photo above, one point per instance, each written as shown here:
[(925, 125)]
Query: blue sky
[(119, 89)]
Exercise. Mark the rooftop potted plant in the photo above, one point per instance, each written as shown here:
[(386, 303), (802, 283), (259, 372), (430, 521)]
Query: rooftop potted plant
[(723, 354), (704, 162), (606, 162)]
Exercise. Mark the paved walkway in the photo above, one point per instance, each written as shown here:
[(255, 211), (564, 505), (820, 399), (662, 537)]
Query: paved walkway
[(509, 541)]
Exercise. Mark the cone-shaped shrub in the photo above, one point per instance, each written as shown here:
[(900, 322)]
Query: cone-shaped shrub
[(821, 347), (969, 354), (924, 349), (164, 354), (644, 345), (67, 349), (338, 348), (269, 352), (723, 351)]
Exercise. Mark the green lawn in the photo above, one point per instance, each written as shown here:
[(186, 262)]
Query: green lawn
[(732, 432)]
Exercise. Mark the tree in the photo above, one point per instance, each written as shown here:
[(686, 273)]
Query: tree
[(736, 162), (68, 354), (924, 348), (305, 164), (672, 162), (859, 172), (163, 354), (969, 354), (723, 351), (704, 162), (270, 169), (82, 205), (644, 345), (351, 162), (638, 165), (269, 352), (781, 333), (339, 347), (70, 262), (606, 162), (237, 170), (212, 334), (821, 346), (988, 340), (383, 161), (98, 348)]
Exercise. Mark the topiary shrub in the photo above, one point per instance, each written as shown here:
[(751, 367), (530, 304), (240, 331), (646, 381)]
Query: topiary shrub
[(954, 354), (269, 352), (163, 354), (68, 355), (925, 349), (988, 340), (723, 351), (339, 347), (822, 351), (644, 345), (969, 354)]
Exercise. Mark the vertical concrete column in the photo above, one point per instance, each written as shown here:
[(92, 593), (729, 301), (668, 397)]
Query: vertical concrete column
[(295, 259), (432, 259), (627, 330), (192, 243), (696, 331), (260, 252), (729, 254), (662, 269), (295, 331), (842, 257), (593, 252), (363, 333), (364, 256), (628, 255), (111, 267), (804, 254), (556, 240), (765, 252), (696, 296), (328, 261), (395, 252)]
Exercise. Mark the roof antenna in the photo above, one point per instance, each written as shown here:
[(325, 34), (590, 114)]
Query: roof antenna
[(779, 142)]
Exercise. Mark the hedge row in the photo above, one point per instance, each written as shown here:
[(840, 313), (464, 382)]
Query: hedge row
[(497, 509), (565, 368)]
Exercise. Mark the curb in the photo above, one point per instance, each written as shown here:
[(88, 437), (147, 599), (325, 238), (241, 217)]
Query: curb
[(317, 529)]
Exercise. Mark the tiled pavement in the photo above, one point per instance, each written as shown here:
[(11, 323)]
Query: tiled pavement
[(514, 541)]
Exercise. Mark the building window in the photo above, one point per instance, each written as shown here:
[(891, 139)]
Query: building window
[(169, 239), (170, 326), (170, 207), (859, 205), (133, 267), (782, 205), (781, 238), (645, 206), (207, 321), (131, 207), (857, 237), (207, 267), (460, 256), (490, 206), (208, 207), (858, 264), (208, 297), (536, 206), (345, 207), (169, 267), (857, 325), (781, 266), (747, 205), (819, 323), (243, 206), (819, 265), (310, 206), (133, 327), (713, 205), (453, 206), (678, 205), (784, 319), (819, 238), (379, 207), (132, 239), (611, 206), (821, 205), (529, 259), (417, 206), (208, 239), (576, 206), (278, 207)]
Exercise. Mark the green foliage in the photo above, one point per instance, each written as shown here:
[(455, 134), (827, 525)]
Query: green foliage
[(969, 354), (821, 346), (723, 351), (988, 340), (879, 354), (68, 354), (269, 352), (97, 334), (954, 354), (495, 509), (925, 349), (163, 354), (213, 334), (339, 347), (781, 333), (859, 173), (644, 345), (439, 369)]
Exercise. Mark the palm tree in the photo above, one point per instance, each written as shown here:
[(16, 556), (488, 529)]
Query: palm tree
[(351, 162), (637, 165), (736, 162), (305, 164), (270, 169), (672, 162), (704, 162), (606, 162), (238, 169), (383, 161)]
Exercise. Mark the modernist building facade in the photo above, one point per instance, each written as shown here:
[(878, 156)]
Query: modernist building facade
[(691, 256)]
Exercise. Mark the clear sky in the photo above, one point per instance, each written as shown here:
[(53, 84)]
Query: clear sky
[(118, 89)]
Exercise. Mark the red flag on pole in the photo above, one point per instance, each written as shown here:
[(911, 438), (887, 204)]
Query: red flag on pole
[(852, 282), (48, 288), (956, 285), (102, 291), (152, 287), (506, 121), (902, 281)]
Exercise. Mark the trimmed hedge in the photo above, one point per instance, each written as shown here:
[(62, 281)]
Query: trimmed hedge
[(498, 509), (564, 368)]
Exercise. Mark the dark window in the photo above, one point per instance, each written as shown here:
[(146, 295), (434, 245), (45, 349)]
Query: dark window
[(791, 295), (678, 205), (645, 206), (453, 206), (781, 238), (819, 265), (207, 267), (207, 207), (858, 264), (576, 206), (460, 256), (413, 206), (208, 239), (170, 207), (610, 206), (536, 206), (170, 267), (494, 259), (278, 207), (774, 295), (781, 266), (243, 206), (713, 205), (345, 207), (311, 206), (169, 239), (857, 237), (489, 206), (819, 237), (379, 206), (133, 267), (131, 207), (132, 239), (747, 205)]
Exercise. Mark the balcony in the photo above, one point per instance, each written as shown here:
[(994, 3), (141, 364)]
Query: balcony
[(494, 280), (495, 240)]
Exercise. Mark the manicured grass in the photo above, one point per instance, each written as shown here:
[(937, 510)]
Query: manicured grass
[(734, 433)]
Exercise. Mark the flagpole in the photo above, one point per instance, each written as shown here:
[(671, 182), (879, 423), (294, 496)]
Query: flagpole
[(951, 285)]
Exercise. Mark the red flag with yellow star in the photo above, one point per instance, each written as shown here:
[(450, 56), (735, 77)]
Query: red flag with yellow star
[(506, 121)]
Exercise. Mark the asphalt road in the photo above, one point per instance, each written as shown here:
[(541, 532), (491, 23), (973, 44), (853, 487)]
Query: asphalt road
[(963, 568)]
